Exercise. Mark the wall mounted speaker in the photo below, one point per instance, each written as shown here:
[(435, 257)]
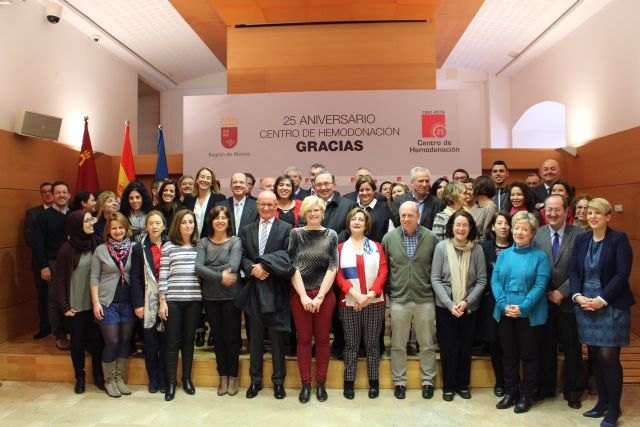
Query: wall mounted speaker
[(29, 123)]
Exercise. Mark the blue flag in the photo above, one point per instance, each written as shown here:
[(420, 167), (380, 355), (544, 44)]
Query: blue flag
[(162, 171)]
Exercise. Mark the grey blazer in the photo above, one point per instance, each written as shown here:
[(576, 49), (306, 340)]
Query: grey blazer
[(560, 267), (105, 274), (441, 277)]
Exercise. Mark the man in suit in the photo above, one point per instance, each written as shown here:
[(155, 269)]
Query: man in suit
[(243, 209), (459, 175), (533, 179), (428, 206), (265, 297), (296, 178), (549, 171), (360, 172), (499, 174), (30, 224), (409, 250), (267, 183), (50, 235), (557, 239)]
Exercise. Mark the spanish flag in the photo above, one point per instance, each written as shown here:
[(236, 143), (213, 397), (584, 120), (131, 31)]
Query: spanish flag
[(127, 172)]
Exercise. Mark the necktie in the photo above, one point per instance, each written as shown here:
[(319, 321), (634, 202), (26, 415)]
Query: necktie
[(236, 216), (264, 235), (555, 245)]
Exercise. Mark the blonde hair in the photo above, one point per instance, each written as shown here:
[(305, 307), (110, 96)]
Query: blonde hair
[(601, 205), (101, 200), (525, 216), (119, 218), (309, 202)]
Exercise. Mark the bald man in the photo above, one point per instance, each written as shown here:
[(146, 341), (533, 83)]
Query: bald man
[(549, 171)]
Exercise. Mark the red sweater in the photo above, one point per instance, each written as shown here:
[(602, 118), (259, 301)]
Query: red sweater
[(378, 284)]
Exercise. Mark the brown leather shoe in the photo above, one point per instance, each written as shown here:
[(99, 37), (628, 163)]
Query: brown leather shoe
[(63, 344)]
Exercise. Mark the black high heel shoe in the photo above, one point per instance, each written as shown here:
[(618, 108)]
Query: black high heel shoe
[(170, 394), (188, 387)]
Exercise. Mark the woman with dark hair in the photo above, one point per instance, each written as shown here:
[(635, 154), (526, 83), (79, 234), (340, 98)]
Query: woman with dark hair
[(487, 328), (204, 197), (458, 277), (85, 201), (385, 190), (73, 296), (313, 250), (111, 298), (135, 203), (288, 208), (599, 276), (217, 263), (580, 206), (454, 196), (106, 205), (145, 268), (519, 284), (485, 209), (521, 198), (180, 297), (361, 277), (438, 187), (381, 217), (168, 199)]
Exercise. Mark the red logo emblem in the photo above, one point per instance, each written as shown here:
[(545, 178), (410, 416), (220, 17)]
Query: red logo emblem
[(434, 126), (229, 136)]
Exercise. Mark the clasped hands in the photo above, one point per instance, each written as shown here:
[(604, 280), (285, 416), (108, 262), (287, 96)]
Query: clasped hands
[(589, 304), (512, 310), (459, 309)]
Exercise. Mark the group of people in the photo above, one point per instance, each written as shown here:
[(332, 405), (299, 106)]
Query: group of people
[(522, 268)]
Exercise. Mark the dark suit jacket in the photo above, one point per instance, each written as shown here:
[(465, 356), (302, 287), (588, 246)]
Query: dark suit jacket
[(540, 193), (432, 207), (302, 194), (559, 279), (249, 212), (30, 224), (248, 300), (616, 257), (189, 202), (335, 213)]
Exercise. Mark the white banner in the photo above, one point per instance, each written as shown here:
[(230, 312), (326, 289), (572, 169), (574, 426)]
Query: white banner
[(388, 132)]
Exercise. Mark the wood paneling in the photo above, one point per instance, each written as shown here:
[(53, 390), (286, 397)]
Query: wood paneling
[(453, 19), (331, 57), (18, 319)]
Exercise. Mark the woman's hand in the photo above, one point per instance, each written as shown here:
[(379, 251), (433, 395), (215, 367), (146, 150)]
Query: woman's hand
[(139, 312), (459, 309), (512, 311), (228, 278), (97, 311), (589, 304), (70, 313), (163, 310), (307, 303), (316, 303)]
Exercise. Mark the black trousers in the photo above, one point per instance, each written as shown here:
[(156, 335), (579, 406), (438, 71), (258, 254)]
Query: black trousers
[(256, 351), (155, 350), (519, 342), (336, 326), (455, 337), (561, 328), (180, 330), (42, 291), (56, 317), (85, 336), (224, 320)]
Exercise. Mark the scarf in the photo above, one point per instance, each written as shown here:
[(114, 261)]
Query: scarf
[(80, 241), (119, 251), (459, 266), (349, 268)]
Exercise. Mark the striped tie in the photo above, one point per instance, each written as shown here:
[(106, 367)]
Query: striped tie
[(264, 235)]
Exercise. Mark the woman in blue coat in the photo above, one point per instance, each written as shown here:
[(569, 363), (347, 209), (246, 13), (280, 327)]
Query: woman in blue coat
[(599, 277), (519, 284)]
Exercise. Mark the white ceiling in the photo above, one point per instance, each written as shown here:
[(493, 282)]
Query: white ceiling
[(173, 54)]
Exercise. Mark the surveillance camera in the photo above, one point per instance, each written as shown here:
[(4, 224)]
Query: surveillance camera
[(95, 38), (53, 11)]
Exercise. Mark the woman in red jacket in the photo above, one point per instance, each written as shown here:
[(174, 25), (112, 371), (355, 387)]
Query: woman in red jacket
[(361, 276)]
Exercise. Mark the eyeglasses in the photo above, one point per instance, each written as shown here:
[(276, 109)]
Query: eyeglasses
[(91, 220), (46, 192), (551, 210), (324, 184), (266, 205), (582, 208)]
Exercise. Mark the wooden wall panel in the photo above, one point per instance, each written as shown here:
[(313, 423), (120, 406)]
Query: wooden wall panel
[(18, 319), (331, 57), (15, 276)]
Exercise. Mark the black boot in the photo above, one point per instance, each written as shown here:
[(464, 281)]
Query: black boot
[(374, 389), (171, 392), (321, 392), (187, 386), (200, 338), (80, 384), (98, 379), (348, 392), (305, 393)]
